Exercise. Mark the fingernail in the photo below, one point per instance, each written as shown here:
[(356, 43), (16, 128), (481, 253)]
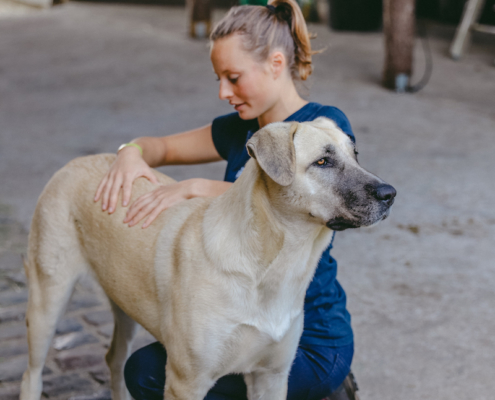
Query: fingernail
[(110, 209), (104, 207), (125, 203)]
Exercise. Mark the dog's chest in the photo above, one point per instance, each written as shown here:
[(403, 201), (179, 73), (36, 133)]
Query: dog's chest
[(259, 346), (271, 325)]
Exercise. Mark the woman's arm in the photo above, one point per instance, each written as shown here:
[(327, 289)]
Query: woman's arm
[(151, 204), (191, 147)]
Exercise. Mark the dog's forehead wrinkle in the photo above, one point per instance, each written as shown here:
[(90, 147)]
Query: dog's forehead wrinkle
[(329, 149)]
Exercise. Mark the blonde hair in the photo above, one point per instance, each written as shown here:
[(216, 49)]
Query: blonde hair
[(280, 25)]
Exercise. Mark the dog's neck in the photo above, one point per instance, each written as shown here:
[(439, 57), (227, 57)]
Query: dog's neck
[(253, 221), (246, 227)]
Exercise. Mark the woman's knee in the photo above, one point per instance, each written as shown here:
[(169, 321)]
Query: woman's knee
[(333, 381), (144, 372)]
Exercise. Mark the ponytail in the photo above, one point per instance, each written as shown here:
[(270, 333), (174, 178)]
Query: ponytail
[(280, 25)]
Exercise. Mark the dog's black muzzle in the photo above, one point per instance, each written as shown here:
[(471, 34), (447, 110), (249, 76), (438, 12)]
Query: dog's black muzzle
[(371, 206), (384, 193)]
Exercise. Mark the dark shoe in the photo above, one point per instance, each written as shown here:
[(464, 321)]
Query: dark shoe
[(346, 391)]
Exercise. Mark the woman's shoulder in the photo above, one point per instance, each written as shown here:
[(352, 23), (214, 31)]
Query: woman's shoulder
[(335, 114)]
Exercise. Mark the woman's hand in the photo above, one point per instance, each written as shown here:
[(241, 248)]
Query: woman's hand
[(128, 166), (153, 203)]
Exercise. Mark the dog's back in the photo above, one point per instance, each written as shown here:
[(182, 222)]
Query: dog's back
[(70, 236), (76, 237)]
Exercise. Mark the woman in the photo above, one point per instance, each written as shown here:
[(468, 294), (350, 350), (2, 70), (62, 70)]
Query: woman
[(257, 53)]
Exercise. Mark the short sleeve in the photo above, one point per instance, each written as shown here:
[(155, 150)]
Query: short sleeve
[(340, 119)]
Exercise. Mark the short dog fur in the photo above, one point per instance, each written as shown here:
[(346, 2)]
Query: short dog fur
[(219, 281)]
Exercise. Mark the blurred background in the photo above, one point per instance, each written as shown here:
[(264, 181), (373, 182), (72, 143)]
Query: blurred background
[(83, 77)]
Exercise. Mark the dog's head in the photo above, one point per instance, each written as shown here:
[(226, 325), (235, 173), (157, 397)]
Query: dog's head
[(314, 166)]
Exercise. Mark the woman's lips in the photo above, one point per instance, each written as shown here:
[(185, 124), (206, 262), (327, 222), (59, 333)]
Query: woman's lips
[(237, 106)]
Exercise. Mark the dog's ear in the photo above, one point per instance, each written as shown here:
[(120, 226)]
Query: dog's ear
[(273, 148), (324, 123)]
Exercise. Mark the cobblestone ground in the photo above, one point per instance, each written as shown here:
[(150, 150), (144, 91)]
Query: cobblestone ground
[(75, 367)]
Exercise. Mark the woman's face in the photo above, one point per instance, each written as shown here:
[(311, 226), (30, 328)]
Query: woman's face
[(250, 86)]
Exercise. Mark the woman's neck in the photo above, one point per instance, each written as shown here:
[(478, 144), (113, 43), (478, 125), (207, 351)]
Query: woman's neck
[(288, 103)]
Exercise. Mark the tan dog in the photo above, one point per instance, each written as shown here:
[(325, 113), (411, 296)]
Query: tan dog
[(219, 281)]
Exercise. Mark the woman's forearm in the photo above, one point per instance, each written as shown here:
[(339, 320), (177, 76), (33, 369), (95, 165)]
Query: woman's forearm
[(190, 147), (154, 150), (207, 188)]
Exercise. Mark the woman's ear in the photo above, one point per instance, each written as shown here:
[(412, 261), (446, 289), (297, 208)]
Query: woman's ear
[(277, 63)]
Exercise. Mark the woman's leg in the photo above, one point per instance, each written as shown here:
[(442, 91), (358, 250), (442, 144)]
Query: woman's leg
[(145, 377), (144, 372), (316, 372)]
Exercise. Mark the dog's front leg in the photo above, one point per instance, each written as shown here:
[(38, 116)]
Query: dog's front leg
[(185, 383), (266, 385)]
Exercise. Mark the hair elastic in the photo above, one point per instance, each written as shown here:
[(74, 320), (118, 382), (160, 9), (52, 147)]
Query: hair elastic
[(281, 13), (271, 8)]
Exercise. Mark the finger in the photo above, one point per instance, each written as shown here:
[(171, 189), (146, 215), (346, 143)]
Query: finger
[(106, 193), (145, 210), (114, 193), (100, 188), (126, 191), (162, 206), (151, 176), (137, 206), (154, 214)]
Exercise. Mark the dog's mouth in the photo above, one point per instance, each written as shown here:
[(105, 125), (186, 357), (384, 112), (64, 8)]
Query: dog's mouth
[(340, 224)]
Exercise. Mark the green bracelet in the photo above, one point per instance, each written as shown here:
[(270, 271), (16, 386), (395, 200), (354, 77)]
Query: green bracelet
[(133, 145)]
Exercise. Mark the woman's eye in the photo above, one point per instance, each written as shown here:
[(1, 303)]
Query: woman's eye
[(233, 80)]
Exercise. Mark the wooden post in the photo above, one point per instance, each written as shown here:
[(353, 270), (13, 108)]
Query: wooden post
[(200, 18), (399, 28)]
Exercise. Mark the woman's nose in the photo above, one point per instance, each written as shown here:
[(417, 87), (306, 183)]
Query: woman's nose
[(225, 92)]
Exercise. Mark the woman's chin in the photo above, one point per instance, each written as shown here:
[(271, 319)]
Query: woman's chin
[(246, 114)]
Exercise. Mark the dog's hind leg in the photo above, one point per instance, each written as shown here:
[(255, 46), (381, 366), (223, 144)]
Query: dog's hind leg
[(123, 332), (53, 265), (48, 297)]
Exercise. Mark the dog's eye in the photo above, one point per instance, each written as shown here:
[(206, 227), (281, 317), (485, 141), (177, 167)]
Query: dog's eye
[(323, 162)]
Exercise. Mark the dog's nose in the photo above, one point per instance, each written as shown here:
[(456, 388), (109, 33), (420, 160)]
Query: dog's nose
[(385, 193)]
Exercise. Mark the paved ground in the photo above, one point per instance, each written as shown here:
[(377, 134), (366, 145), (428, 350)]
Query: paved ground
[(83, 78)]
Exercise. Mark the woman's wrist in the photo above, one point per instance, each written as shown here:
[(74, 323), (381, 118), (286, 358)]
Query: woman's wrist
[(129, 151), (124, 145), (196, 187), (199, 187)]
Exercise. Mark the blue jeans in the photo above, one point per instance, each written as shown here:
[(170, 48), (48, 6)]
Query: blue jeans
[(316, 372)]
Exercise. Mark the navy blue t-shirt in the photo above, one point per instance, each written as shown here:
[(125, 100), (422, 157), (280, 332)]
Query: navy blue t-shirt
[(326, 319)]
